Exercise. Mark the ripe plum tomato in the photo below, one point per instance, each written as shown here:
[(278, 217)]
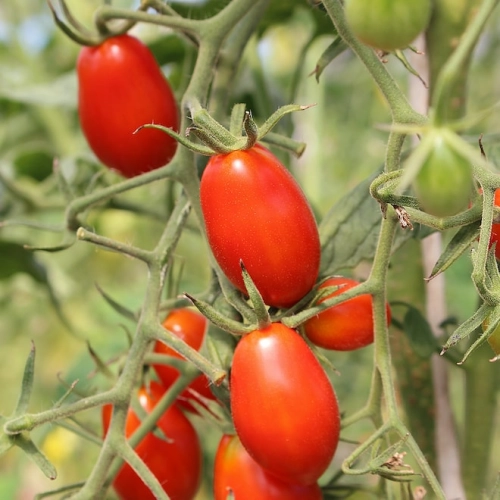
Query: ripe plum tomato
[(387, 24), (175, 462), (256, 212), (190, 326), (120, 88), (495, 227), (237, 472), (346, 326), (284, 408), (444, 182)]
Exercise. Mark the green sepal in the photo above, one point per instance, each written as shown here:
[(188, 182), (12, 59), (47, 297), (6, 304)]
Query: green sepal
[(27, 384), (330, 53), (269, 124), (460, 242), (26, 444), (468, 326), (182, 139), (218, 319), (493, 319), (259, 307), (122, 310)]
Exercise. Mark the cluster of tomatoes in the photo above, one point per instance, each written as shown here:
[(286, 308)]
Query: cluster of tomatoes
[(283, 406)]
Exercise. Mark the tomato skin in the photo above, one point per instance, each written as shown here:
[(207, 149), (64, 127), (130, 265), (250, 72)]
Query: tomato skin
[(284, 408), (176, 463), (120, 88), (387, 24), (495, 231), (255, 211), (190, 326), (444, 183), (237, 471), (348, 325)]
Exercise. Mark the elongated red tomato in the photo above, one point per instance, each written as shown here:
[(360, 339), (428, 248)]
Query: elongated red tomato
[(189, 326), (176, 461), (255, 211), (237, 472), (284, 408), (344, 327), (120, 88)]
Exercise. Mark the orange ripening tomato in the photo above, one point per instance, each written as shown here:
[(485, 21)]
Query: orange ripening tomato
[(190, 326), (120, 88), (346, 326), (237, 472), (175, 461), (284, 409)]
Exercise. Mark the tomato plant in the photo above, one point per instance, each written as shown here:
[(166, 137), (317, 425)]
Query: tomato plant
[(284, 408), (120, 88), (190, 326), (237, 472), (175, 461), (387, 24), (346, 326), (494, 338), (255, 212), (444, 182)]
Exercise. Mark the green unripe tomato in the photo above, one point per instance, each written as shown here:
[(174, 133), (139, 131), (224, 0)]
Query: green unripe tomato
[(444, 182), (387, 24)]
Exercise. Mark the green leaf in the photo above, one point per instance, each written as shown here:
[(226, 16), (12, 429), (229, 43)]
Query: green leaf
[(349, 231), (60, 91), (460, 242), (27, 445), (419, 333), (120, 309), (27, 385), (16, 259), (331, 52)]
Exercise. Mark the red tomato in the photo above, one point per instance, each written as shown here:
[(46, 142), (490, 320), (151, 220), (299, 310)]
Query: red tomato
[(190, 326), (495, 228), (120, 88), (344, 327), (255, 211), (236, 471), (284, 408), (176, 462)]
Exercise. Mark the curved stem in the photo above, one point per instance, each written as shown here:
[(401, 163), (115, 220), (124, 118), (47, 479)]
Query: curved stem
[(401, 110)]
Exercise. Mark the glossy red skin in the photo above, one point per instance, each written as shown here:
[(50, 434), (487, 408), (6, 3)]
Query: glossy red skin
[(495, 228), (347, 326), (120, 88), (236, 471), (176, 463), (255, 211), (284, 408), (190, 326)]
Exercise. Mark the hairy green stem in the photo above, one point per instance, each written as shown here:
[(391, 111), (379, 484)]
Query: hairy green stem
[(448, 62), (401, 110)]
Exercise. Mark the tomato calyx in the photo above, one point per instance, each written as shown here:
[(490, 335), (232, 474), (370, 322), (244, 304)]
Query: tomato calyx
[(261, 318), (213, 138)]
